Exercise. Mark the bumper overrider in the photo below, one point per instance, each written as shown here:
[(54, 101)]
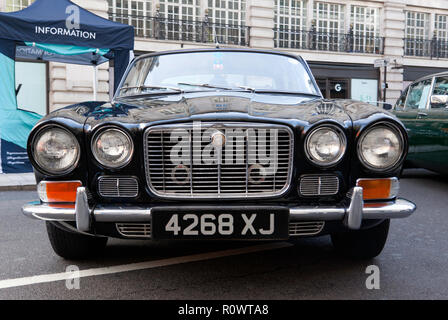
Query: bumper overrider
[(85, 216)]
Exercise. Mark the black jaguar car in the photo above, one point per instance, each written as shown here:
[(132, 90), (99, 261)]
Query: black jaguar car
[(218, 144)]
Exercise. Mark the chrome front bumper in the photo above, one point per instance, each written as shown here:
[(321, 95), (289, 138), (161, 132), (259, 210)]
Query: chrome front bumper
[(351, 216)]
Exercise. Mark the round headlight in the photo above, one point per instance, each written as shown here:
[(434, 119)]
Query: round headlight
[(380, 147), (56, 150), (112, 148), (326, 145)]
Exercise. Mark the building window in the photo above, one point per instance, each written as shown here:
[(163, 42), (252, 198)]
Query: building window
[(290, 23), (227, 17), (329, 25), (187, 10), (181, 19), (417, 34), (232, 12), (440, 27), (329, 17), (16, 5), (364, 22), (440, 42), (417, 25), (132, 12)]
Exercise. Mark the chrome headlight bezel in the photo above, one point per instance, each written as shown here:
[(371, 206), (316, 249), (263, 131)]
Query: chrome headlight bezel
[(399, 134), (41, 167), (101, 161), (343, 145)]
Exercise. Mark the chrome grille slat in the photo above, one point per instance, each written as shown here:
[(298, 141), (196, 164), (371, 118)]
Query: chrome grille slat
[(319, 185), (305, 228), (215, 180), (117, 187), (134, 230)]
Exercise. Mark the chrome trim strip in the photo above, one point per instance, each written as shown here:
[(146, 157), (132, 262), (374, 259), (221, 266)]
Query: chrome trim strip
[(316, 213), (399, 208), (353, 217), (220, 125), (46, 212), (82, 210), (122, 214)]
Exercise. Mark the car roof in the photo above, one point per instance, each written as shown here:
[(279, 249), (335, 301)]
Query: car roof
[(296, 56), (444, 73)]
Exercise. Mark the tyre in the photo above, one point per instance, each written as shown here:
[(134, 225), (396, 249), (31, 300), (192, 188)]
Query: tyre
[(362, 244), (71, 245)]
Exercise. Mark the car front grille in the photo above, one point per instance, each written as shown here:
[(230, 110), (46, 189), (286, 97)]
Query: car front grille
[(305, 228), (134, 230), (318, 185), (173, 171), (117, 187)]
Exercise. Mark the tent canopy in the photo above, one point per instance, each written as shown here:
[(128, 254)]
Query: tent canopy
[(59, 30), (52, 30)]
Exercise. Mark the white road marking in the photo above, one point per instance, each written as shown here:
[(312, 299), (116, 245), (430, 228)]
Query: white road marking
[(11, 283)]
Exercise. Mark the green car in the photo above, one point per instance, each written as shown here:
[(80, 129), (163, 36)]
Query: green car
[(423, 108)]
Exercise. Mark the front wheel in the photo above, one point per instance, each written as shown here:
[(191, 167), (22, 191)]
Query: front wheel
[(362, 244), (71, 245)]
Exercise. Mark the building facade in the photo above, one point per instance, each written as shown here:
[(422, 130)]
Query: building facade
[(340, 39)]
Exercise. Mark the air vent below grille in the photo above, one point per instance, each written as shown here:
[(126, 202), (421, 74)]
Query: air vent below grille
[(118, 187), (305, 228), (143, 230), (134, 230), (319, 185)]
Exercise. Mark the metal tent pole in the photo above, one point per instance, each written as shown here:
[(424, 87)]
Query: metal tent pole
[(95, 82)]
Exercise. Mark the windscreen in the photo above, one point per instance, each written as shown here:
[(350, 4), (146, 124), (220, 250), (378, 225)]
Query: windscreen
[(200, 71)]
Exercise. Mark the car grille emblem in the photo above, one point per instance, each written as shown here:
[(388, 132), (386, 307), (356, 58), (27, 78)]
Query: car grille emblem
[(218, 139)]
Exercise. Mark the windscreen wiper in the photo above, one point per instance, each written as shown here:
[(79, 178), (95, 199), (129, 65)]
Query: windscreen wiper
[(279, 91), (143, 87), (254, 90), (205, 85)]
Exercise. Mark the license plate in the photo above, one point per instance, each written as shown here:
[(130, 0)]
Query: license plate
[(220, 224)]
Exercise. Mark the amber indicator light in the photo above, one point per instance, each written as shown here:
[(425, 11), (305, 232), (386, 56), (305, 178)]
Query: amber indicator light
[(374, 189), (55, 191)]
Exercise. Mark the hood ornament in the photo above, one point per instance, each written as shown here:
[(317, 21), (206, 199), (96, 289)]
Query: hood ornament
[(328, 108)]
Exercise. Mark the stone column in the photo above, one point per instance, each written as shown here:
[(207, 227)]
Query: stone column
[(394, 33), (70, 83), (260, 19)]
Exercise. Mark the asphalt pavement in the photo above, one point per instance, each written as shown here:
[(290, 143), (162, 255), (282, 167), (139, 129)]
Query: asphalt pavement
[(413, 264)]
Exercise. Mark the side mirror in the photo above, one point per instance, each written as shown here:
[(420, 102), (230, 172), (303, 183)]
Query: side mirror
[(439, 99), (387, 106)]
